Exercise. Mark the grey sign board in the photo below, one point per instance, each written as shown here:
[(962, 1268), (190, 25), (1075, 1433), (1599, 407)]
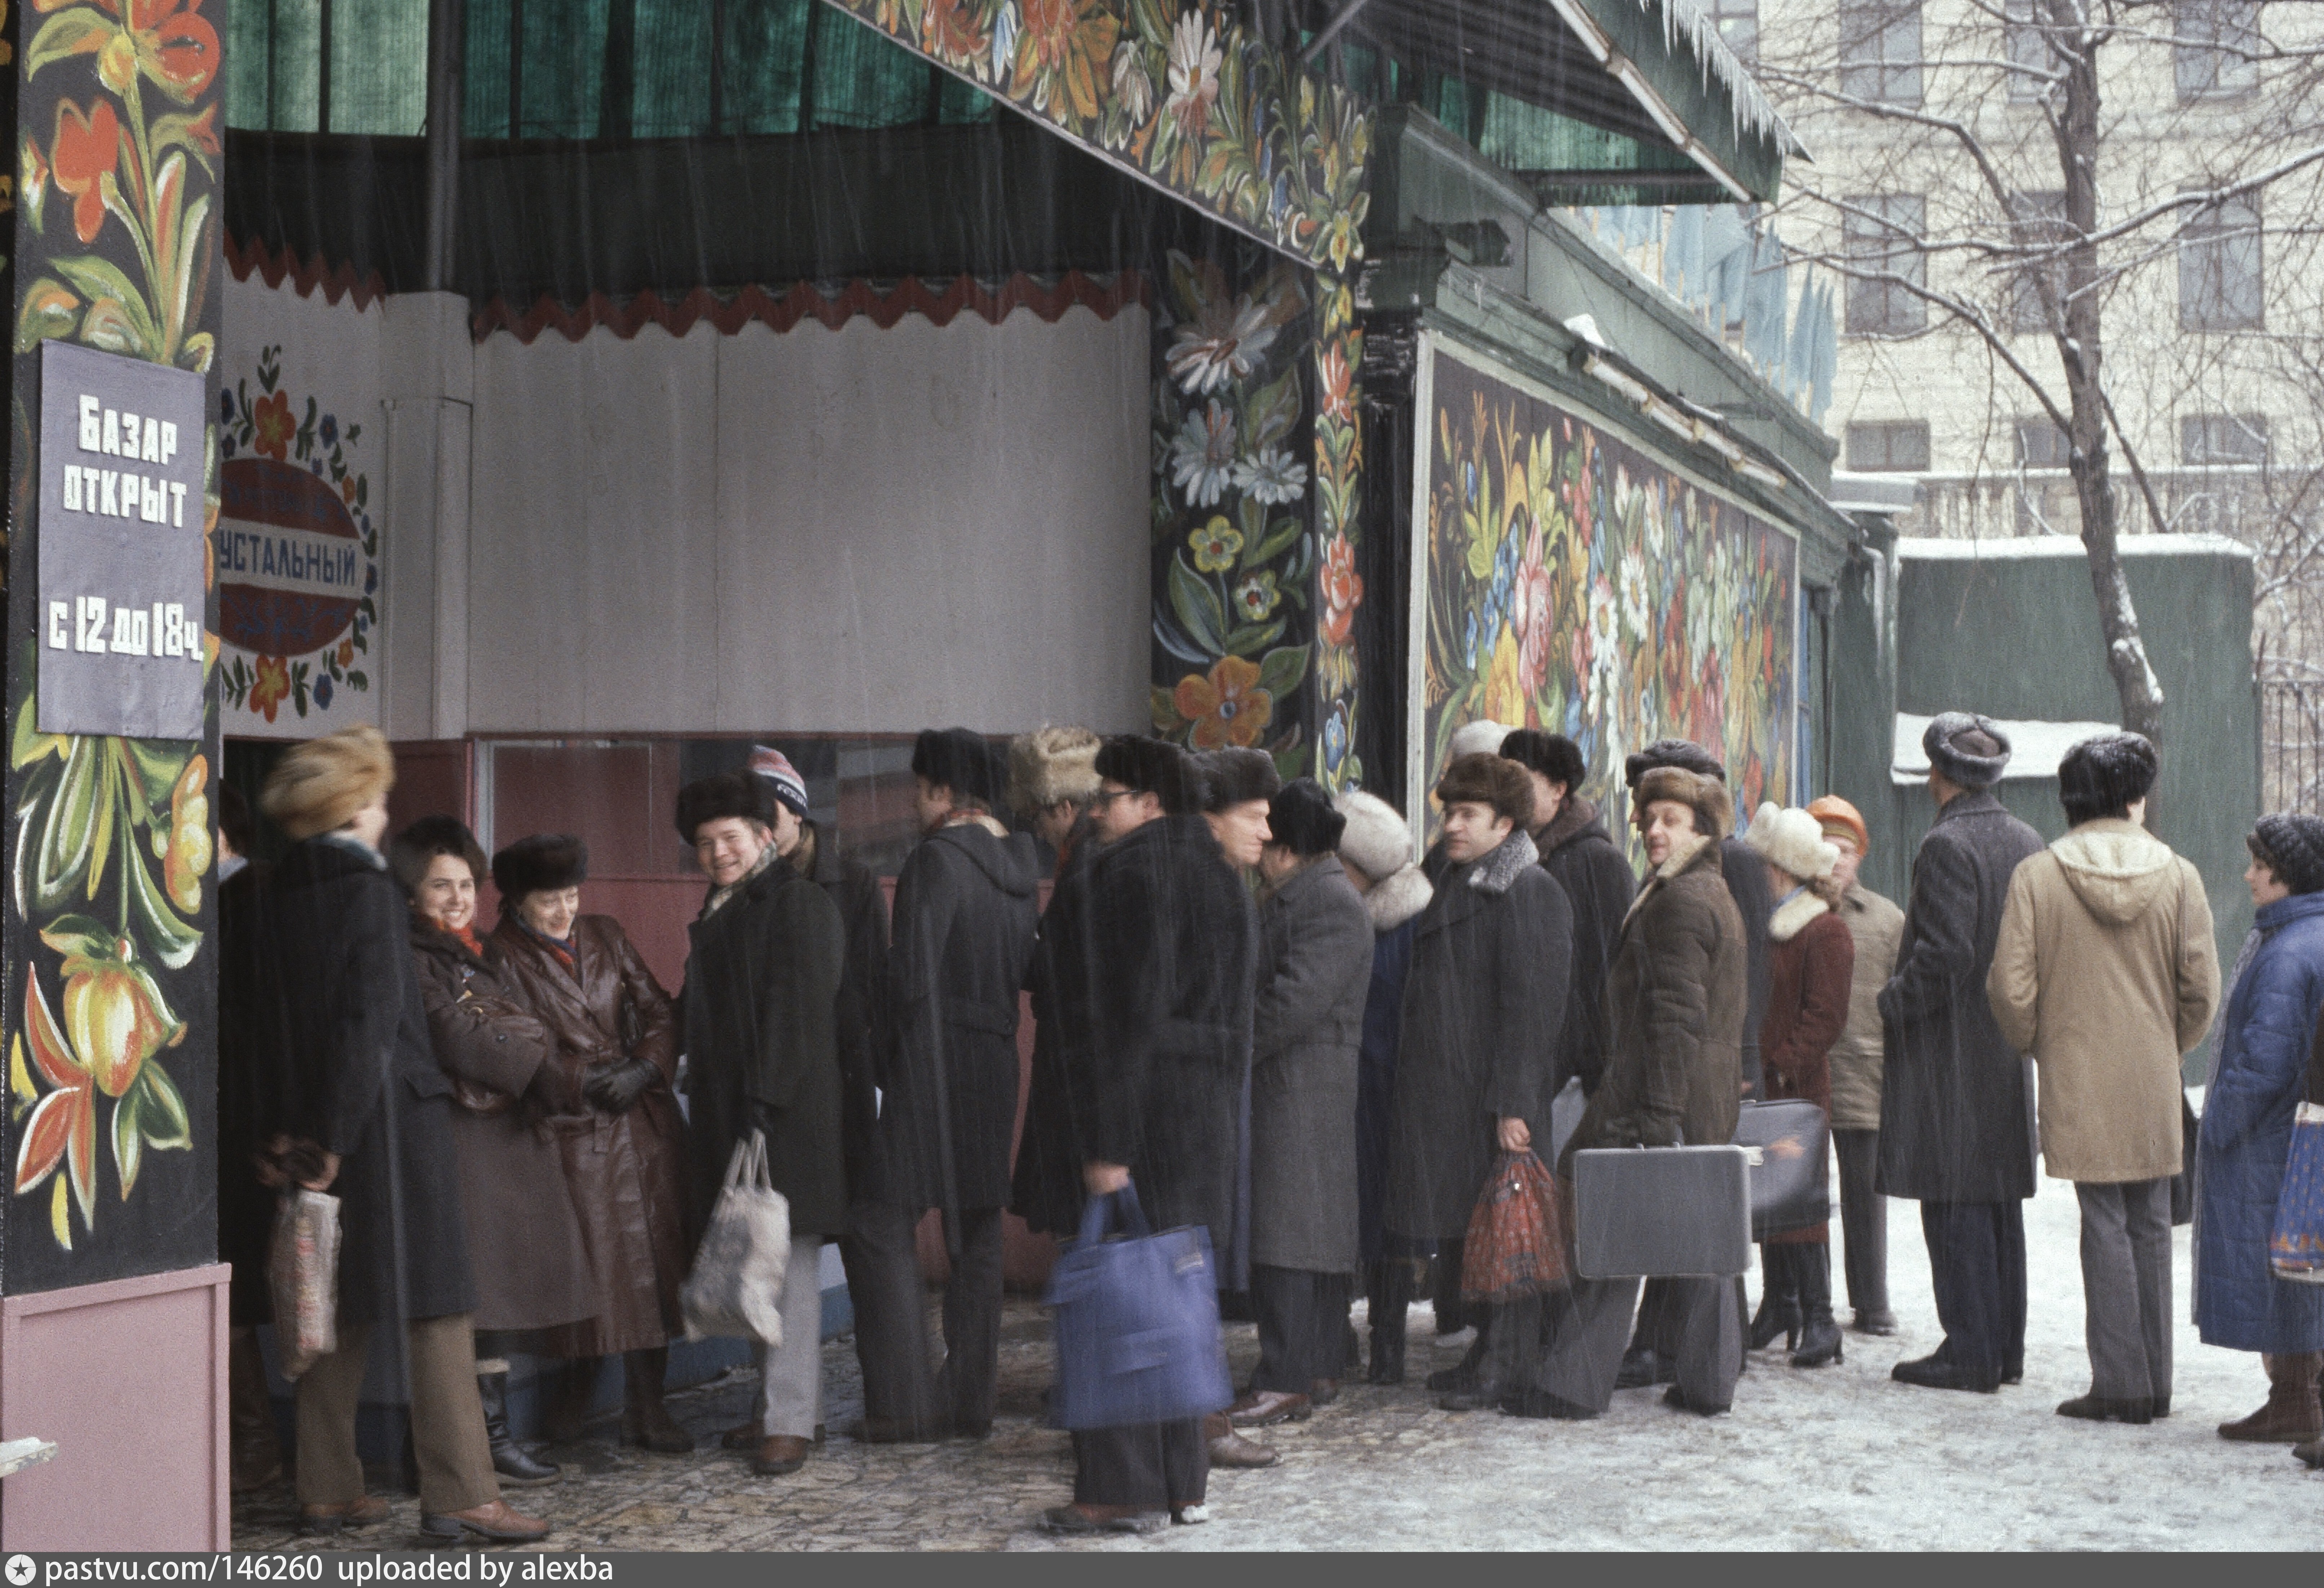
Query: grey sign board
[(120, 546)]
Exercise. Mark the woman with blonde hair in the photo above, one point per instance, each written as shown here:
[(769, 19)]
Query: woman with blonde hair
[(368, 1119), (1811, 964)]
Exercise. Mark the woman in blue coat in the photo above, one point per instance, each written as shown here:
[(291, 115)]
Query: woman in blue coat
[(2258, 1081)]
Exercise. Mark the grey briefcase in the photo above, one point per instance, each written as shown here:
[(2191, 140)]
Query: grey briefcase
[(1661, 1211)]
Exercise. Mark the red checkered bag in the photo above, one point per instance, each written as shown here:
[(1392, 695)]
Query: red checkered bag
[(1517, 1233)]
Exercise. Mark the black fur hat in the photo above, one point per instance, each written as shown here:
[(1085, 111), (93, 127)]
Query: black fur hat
[(1302, 819), (1152, 766), (1552, 755), (958, 759), (1684, 753), (722, 794), (2101, 776), (2293, 847), (1968, 749), (1233, 776), (542, 863), (410, 850)]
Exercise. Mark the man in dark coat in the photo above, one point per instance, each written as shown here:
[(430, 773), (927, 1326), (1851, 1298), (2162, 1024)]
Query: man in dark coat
[(1956, 1096), (1315, 969), (966, 911), (1576, 849), (1483, 1003), (1158, 1089), (760, 1011), (368, 1120), (1675, 999)]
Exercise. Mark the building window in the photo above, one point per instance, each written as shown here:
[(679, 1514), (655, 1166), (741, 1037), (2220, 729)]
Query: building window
[(1738, 26), (2037, 218), (2220, 268), (2025, 46), (2041, 443), (2206, 440), (1882, 233), (1897, 447), (2212, 47), (1880, 50)]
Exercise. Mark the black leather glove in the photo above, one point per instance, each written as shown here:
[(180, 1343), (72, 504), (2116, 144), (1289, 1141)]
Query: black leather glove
[(612, 1088)]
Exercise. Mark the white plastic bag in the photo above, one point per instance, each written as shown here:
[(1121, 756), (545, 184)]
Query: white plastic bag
[(302, 1272), (736, 1287)]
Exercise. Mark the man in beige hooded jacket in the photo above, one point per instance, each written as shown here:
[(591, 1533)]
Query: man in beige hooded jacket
[(2106, 975)]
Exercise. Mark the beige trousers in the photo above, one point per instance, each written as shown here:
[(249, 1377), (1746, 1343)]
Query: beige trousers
[(448, 1419)]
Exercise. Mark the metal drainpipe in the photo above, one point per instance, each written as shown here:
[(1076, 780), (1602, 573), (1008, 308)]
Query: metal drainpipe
[(446, 34)]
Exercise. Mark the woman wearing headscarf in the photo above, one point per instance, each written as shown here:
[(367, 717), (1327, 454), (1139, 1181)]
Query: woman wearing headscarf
[(367, 1118), (1811, 970), (624, 1145), (524, 1243), (2258, 1080)]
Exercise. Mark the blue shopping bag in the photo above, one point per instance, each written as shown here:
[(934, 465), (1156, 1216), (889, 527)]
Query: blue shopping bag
[(1137, 1321), (2295, 1247)]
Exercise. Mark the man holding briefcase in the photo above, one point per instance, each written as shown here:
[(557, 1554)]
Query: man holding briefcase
[(1676, 997)]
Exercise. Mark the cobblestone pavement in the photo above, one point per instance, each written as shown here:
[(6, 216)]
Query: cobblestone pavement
[(1836, 1459)]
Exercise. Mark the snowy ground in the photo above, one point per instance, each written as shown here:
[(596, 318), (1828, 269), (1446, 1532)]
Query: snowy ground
[(1839, 1458)]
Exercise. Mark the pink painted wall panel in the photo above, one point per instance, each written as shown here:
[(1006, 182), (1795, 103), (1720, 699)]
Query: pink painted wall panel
[(129, 1379)]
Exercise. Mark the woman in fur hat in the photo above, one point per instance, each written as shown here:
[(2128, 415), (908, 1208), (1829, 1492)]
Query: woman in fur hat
[(369, 1120), (532, 1271), (623, 1142), (1376, 851), (1810, 971)]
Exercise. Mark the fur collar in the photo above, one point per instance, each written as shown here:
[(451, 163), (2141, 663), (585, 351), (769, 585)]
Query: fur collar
[(1574, 818), (1396, 898), (1793, 915), (1683, 853), (1498, 872)]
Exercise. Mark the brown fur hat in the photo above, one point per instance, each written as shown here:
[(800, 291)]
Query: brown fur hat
[(1051, 766), (1705, 796), (319, 786), (1484, 779)]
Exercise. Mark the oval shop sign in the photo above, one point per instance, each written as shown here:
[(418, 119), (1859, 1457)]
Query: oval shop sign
[(289, 563)]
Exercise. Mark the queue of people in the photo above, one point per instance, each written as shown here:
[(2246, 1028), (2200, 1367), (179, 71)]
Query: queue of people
[(1256, 1010)]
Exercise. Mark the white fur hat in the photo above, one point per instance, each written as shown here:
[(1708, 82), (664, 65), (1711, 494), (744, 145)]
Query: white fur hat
[(1793, 841), (1481, 737), (1376, 841)]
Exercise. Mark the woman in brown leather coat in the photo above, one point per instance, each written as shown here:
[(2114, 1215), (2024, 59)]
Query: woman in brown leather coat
[(531, 1270), (626, 1150)]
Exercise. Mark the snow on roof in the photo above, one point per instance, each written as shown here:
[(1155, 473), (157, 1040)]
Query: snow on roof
[(1924, 547), (2035, 748)]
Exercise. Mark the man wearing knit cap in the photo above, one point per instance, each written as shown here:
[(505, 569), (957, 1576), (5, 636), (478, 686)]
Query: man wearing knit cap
[(1875, 923), (2105, 974), (1956, 1125)]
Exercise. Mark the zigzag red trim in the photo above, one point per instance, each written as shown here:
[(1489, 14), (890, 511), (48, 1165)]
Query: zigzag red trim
[(1104, 297), (273, 269)]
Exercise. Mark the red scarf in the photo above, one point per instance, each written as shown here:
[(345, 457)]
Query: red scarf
[(466, 936)]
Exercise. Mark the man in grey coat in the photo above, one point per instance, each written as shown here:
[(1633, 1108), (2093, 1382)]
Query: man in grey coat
[(1316, 967), (1956, 1120)]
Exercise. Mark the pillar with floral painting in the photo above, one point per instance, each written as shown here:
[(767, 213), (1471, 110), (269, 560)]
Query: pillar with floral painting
[(115, 1309)]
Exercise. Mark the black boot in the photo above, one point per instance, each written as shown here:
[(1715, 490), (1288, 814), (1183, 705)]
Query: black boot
[(1391, 1289), (1779, 1299), (565, 1412), (516, 1466), (1819, 1337), (1469, 1376), (645, 1421)]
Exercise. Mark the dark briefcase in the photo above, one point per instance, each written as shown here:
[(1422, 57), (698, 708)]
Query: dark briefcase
[(1788, 1144), (1661, 1211)]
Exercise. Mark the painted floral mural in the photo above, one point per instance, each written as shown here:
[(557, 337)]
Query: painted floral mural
[(1186, 99), (108, 993), (1339, 588), (1234, 555), (1575, 586)]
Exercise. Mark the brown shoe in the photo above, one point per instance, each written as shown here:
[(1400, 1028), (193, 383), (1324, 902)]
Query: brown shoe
[(779, 1454), (1230, 1449), (1264, 1408), (493, 1521), (368, 1511), (1324, 1391), (2292, 1413)]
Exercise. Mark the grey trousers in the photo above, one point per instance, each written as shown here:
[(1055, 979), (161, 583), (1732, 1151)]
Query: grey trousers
[(1863, 1220), (2127, 1287), (790, 1375), (1590, 1327)]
